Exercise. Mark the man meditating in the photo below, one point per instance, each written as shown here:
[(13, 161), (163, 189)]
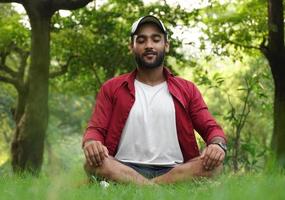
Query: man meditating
[(142, 127)]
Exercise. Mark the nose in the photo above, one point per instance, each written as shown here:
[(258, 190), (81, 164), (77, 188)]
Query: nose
[(149, 44)]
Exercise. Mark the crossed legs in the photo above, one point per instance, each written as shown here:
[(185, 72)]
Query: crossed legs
[(186, 172), (113, 170)]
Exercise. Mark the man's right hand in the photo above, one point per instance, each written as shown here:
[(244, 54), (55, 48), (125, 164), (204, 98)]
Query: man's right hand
[(95, 152)]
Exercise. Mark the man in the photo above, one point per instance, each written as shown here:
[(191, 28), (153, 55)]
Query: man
[(141, 130)]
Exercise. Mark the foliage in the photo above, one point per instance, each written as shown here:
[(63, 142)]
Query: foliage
[(233, 24), (14, 39), (12, 32), (102, 38), (7, 96), (225, 86), (235, 32)]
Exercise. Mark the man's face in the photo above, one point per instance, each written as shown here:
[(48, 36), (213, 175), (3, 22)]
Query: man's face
[(149, 46)]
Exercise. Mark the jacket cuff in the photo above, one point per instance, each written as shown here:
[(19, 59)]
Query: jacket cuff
[(92, 136), (216, 134)]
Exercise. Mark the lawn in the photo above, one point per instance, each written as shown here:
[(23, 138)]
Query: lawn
[(68, 185), (64, 180)]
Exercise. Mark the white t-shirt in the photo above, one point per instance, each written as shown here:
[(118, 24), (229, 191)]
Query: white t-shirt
[(150, 135)]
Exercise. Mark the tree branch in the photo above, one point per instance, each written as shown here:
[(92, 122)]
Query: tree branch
[(8, 70), (68, 4), (4, 67), (23, 64), (11, 1), (8, 80), (63, 68), (23, 57), (264, 49), (243, 45)]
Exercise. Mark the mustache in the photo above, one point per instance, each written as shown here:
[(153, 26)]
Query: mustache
[(148, 52)]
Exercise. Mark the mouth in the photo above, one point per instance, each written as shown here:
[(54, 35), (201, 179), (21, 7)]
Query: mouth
[(149, 54)]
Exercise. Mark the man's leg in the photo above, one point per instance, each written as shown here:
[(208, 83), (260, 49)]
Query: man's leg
[(187, 171), (113, 170)]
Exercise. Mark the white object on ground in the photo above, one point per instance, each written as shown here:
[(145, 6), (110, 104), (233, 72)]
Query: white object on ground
[(104, 184)]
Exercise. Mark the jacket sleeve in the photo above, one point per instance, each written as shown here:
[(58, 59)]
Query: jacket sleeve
[(202, 120), (98, 123)]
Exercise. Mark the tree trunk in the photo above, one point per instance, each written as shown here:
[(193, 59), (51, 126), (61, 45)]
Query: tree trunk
[(278, 138), (21, 104), (28, 142), (276, 56)]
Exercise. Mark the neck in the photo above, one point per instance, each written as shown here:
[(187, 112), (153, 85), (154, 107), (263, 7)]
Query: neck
[(150, 76)]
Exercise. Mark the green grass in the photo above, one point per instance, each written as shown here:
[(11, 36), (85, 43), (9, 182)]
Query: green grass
[(62, 180), (67, 185)]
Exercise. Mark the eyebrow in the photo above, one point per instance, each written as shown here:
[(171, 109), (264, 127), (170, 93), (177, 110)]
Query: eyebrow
[(145, 36)]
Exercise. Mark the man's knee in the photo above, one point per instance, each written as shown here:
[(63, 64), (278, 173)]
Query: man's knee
[(103, 170), (199, 170), (216, 171)]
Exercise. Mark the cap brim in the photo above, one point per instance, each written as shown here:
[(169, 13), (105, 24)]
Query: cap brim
[(148, 19)]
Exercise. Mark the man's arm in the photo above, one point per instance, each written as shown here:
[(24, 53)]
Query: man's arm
[(213, 155), (93, 141), (203, 122)]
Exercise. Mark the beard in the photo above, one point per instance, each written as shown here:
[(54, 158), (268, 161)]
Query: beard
[(141, 62)]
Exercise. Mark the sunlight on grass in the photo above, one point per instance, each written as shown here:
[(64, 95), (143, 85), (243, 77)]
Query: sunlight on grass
[(3, 158)]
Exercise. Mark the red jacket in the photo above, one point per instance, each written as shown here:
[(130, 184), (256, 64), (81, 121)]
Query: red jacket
[(117, 96)]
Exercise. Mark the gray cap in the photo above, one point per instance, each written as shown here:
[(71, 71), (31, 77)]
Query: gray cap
[(147, 19)]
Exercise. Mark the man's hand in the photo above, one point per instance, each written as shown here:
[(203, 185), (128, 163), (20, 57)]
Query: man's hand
[(95, 152), (212, 156)]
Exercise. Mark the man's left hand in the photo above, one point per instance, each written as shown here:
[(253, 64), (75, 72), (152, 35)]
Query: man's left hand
[(212, 156)]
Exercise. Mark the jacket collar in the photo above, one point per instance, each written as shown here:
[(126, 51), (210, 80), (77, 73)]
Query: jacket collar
[(130, 79)]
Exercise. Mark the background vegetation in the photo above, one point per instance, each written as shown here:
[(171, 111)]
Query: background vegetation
[(218, 45)]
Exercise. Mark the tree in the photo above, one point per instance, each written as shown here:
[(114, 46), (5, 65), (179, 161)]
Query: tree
[(234, 25), (103, 36), (275, 54), (32, 119)]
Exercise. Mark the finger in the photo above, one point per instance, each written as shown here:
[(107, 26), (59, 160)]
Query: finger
[(87, 157), (106, 152), (210, 155), (219, 160), (92, 151), (214, 159), (89, 152), (96, 156), (204, 158), (207, 157), (101, 152)]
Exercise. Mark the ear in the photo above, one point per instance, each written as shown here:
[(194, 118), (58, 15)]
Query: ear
[(131, 47), (167, 46)]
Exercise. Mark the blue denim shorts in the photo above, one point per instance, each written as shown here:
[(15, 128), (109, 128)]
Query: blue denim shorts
[(148, 171)]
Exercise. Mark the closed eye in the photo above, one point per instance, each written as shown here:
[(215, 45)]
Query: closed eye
[(156, 38)]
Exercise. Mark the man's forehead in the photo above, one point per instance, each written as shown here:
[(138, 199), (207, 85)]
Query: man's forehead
[(149, 29), (148, 35)]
